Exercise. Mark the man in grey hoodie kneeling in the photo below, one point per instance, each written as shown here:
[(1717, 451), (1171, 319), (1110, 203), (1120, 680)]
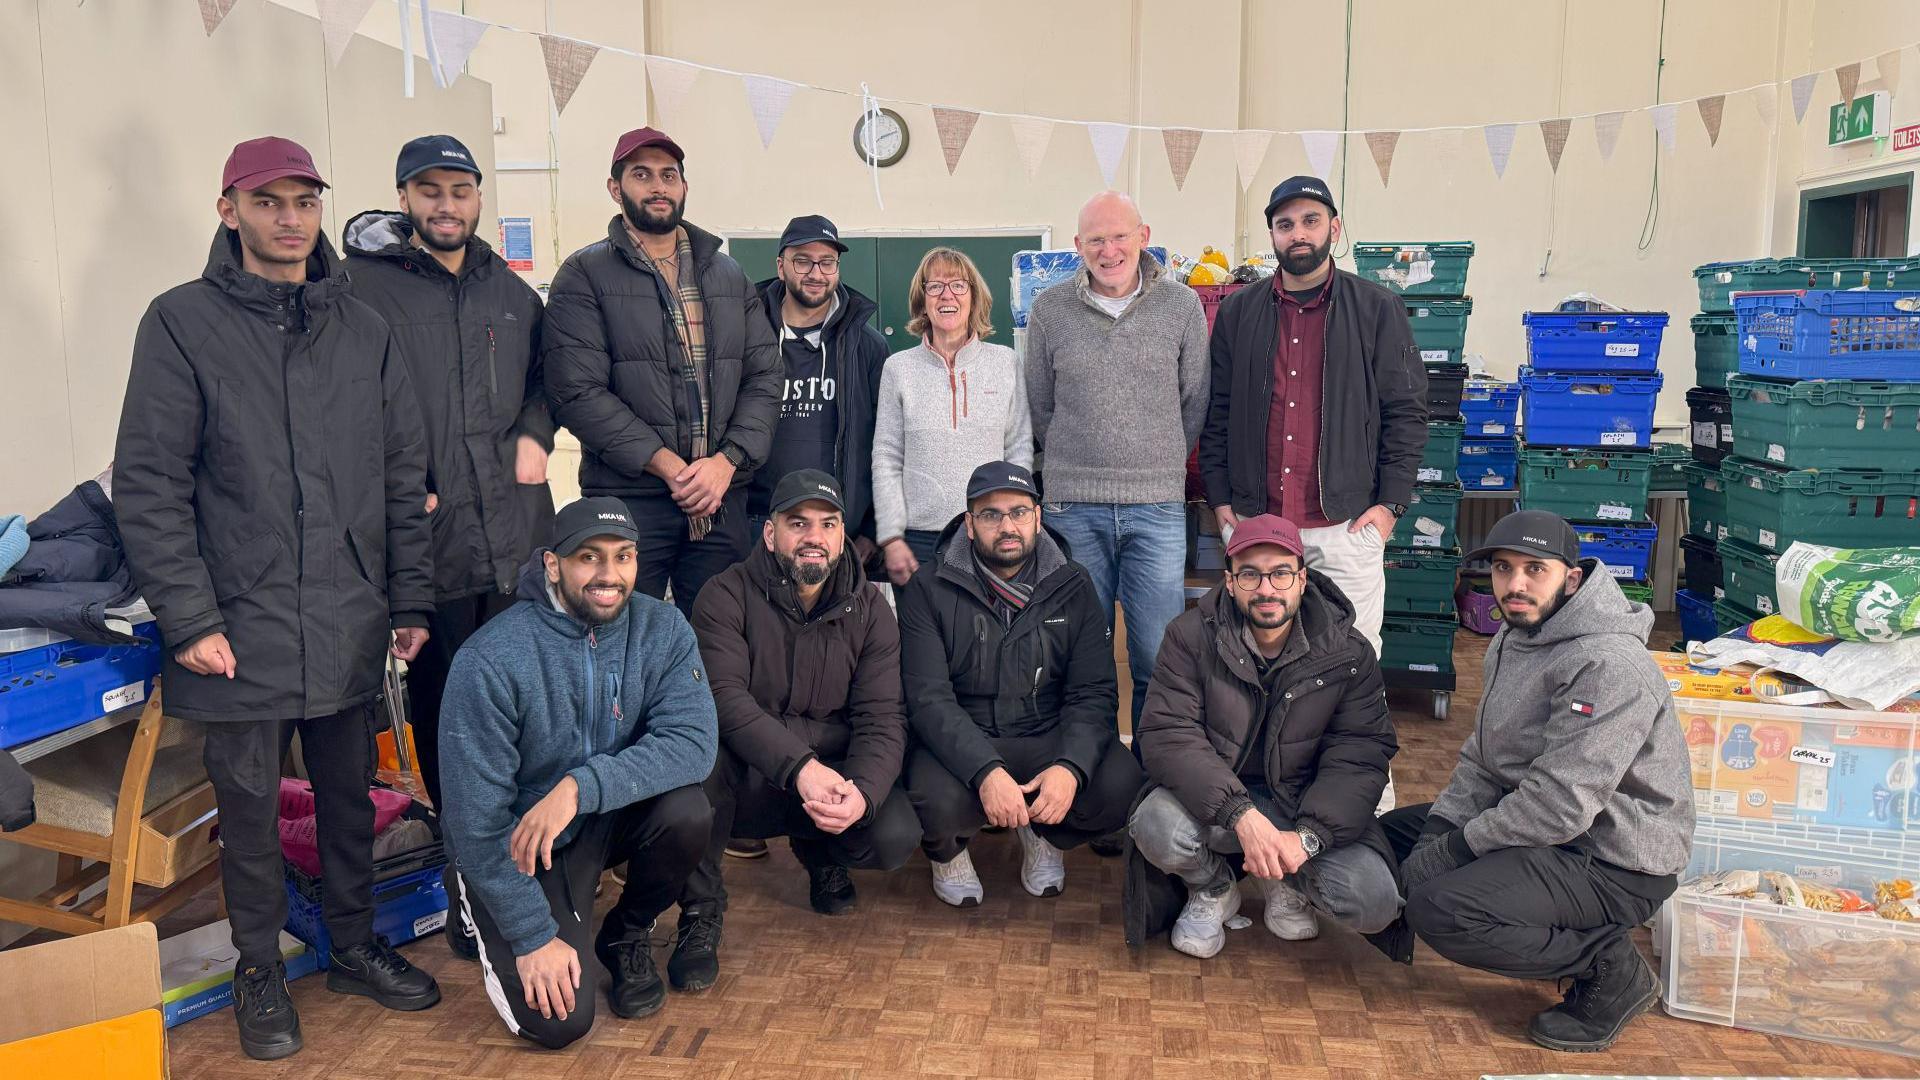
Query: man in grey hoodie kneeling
[(1570, 812)]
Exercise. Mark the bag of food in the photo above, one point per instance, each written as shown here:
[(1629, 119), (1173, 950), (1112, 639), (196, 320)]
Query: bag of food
[(1860, 675), (1737, 883), (1793, 892), (1861, 594)]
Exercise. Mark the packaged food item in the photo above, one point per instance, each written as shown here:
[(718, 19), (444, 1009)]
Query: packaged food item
[(1793, 892), (1215, 256), (1864, 594), (1885, 892), (1740, 883), (1687, 681)]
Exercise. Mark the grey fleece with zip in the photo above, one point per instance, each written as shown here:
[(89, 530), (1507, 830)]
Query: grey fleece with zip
[(1577, 743)]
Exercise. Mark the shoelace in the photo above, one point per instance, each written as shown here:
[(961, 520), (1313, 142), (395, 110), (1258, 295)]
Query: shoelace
[(834, 879), (636, 959), (258, 983), (380, 956), (701, 934)]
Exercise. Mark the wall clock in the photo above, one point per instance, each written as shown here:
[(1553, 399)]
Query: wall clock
[(880, 138)]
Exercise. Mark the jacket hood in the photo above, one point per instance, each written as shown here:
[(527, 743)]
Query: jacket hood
[(388, 234), (326, 275), (532, 589), (1599, 607), (955, 550), (854, 307), (1326, 616), (763, 569)]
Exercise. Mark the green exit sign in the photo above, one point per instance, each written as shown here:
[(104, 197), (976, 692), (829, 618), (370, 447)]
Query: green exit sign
[(1866, 117)]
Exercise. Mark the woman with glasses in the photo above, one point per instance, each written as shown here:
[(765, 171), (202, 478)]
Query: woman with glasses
[(946, 406)]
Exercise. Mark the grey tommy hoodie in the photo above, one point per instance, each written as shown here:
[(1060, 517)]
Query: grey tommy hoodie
[(1576, 742)]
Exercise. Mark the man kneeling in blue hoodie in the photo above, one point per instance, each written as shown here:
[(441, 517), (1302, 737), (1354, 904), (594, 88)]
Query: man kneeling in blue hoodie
[(575, 733)]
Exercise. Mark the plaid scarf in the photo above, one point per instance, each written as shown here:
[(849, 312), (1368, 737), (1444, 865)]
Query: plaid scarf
[(689, 310), (1009, 598)]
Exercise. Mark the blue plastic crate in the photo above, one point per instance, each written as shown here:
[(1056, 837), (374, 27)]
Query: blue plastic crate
[(405, 907), (1827, 334), (1626, 549), (1489, 464), (69, 683), (1613, 341), (1696, 616), (1490, 408), (1588, 410)]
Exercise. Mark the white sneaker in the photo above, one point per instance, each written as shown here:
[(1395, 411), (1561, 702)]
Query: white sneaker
[(1288, 914), (1202, 929), (1043, 871), (954, 881)]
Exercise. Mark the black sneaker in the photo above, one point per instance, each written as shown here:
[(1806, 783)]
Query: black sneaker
[(372, 969), (747, 849), (269, 1026), (696, 952), (830, 889), (1110, 845), (1620, 987), (636, 989)]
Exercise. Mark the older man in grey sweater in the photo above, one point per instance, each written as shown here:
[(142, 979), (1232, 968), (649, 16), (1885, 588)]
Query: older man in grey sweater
[(1117, 371)]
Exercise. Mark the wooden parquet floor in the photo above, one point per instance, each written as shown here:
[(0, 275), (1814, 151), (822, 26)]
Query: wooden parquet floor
[(1020, 988)]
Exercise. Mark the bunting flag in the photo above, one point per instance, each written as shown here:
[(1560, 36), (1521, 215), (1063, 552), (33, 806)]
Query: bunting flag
[(1803, 94), (1109, 142), (955, 127), (212, 12), (1382, 143), (1606, 132), (1320, 146), (567, 63), (338, 20), (1889, 64), (671, 80), (1181, 144), (1663, 119), (1249, 152), (454, 37), (1849, 76), (1499, 146), (768, 97), (1553, 133), (1766, 103), (1030, 137), (1713, 108)]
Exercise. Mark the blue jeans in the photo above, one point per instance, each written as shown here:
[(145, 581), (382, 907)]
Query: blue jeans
[(1136, 554)]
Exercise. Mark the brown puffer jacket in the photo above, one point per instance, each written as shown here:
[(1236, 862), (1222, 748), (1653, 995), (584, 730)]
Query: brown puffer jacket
[(791, 686)]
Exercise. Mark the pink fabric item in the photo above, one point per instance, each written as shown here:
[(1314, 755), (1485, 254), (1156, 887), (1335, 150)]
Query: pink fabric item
[(299, 829)]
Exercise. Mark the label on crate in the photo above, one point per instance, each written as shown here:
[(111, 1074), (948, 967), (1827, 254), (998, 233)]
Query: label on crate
[(1811, 755), (1703, 434), (1819, 875), (130, 694), (1493, 480), (1614, 512), (1621, 572), (1776, 452), (1623, 348), (1721, 532), (1426, 526), (1493, 429), (1768, 539), (1619, 438), (1431, 476), (427, 924), (1426, 541), (1424, 667), (1764, 604), (1726, 434), (1719, 593), (1433, 356)]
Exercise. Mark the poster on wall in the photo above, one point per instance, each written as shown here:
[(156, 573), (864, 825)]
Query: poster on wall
[(516, 243)]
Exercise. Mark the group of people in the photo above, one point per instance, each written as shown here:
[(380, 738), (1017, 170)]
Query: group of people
[(323, 460)]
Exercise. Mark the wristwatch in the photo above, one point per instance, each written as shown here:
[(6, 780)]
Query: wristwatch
[(1310, 840), (1399, 509)]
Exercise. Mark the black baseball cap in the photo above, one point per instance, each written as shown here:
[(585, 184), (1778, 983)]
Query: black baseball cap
[(433, 152), (807, 485), (1533, 532), (583, 519), (1300, 187), (809, 229), (1000, 476)]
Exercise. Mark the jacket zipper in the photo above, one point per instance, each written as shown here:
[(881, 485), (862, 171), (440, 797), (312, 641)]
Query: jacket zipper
[(593, 690), (493, 365), (953, 391)]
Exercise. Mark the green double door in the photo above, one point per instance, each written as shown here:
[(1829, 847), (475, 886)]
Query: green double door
[(881, 267)]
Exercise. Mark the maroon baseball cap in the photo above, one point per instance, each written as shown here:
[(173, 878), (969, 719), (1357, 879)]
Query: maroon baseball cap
[(259, 162), (1267, 529), (640, 139)]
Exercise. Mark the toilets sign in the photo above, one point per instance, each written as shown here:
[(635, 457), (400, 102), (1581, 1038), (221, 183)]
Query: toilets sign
[(1906, 138)]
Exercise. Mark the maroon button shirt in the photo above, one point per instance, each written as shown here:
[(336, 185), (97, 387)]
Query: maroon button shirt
[(1293, 420)]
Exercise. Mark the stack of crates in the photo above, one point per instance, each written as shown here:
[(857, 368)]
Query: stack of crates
[(1490, 445), (1587, 399)]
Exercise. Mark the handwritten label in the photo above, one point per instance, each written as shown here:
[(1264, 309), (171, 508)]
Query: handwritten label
[(427, 924), (1623, 348), (130, 694), (1423, 667), (1434, 356), (1619, 438), (1614, 512), (1768, 540), (1430, 476), (1493, 429), (1810, 755), (1776, 452)]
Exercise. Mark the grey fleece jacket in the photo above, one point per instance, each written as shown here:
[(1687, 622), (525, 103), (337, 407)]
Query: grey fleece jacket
[(935, 423), (1576, 743), (1117, 402)]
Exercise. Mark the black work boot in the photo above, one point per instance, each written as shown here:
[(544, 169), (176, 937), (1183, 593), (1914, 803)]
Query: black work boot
[(269, 1027), (636, 989), (830, 889), (696, 952), (372, 969), (1110, 845), (1620, 987)]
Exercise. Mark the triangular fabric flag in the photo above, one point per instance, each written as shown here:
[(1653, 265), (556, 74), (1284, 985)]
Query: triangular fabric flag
[(1663, 119), (1849, 76), (1382, 143), (1181, 145), (1554, 134), (1249, 152), (1606, 132), (1803, 94), (1030, 137), (1109, 142), (1320, 146), (1889, 64), (1713, 108), (670, 80), (454, 38), (567, 63), (338, 20), (1766, 103), (1499, 146), (955, 127), (768, 98), (212, 12)]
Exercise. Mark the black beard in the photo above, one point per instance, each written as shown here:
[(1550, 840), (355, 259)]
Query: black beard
[(808, 574), (993, 557), (1287, 613), (1547, 611), (427, 238), (1302, 265), (798, 297), (577, 606), (266, 252), (638, 217)]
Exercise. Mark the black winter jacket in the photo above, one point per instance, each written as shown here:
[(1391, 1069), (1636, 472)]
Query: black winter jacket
[(472, 348), (270, 483), (613, 364), (74, 571)]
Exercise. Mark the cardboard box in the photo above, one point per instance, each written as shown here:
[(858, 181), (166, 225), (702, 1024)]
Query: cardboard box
[(196, 970), (85, 1008), (1687, 681)]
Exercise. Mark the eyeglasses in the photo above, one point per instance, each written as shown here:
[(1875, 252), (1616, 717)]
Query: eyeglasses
[(1020, 515), (1249, 579), (806, 266), (944, 288)]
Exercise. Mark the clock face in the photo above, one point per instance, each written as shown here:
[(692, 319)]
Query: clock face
[(881, 139)]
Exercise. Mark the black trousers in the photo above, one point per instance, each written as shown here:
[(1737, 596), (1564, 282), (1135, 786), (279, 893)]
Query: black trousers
[(451, 624), (1527, 913), (950, 811), (747, 805), (668, 557), (243, 760), (659, 840)]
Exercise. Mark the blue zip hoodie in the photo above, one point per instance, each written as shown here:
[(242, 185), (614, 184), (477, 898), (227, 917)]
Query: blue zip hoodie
[(536, 696)]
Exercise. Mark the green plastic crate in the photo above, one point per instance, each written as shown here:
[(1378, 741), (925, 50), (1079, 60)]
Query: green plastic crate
[(1440, 462), (1716, 349), (1747, 576), (1421, 581), (1706, 501), (1825, 423), (1719, 281), (1585, 485), (1434, 269), (1439, 328), (1667, 460), (1729, 616), (1771, 508), (1639, 592), (1413, 643), (1432, 519)]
